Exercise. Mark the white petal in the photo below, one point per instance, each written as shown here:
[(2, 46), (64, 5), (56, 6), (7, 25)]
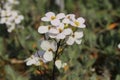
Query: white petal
[(82, 26), (54, 46), (21, 17), (70, 41), (11, 28), (45, 19), (45, 45), (14, 13), (29, 63), (60, 36), (71, 17), (78, 35), (60, 16), (3, 13), (61, 26), (58, 64), (67, 31), (72, 23), (52, 35), (78, 41), (43, 29), (55, 22), (32, 60), (3, 20), (53, 31), (17, 21), (49, 14), (67, 21), (9, 23), (48, 56), (81, 20)]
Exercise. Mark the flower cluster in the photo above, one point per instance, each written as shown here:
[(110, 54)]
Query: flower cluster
[(63, 27), (36, 59), (9, 16), (61, 30), (44, 55)]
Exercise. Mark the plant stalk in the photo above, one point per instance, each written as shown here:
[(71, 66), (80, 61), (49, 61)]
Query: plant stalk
[(56, 53)]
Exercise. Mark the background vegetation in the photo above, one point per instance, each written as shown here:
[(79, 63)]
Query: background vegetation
[(97, 58)]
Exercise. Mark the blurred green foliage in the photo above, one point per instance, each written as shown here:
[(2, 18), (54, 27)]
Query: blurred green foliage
[(97, 58)]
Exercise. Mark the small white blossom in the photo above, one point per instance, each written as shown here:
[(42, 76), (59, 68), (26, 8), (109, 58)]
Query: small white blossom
[(40, 55), (47, 29), (75, 37), (68, 18), (79, 22), (36, 59), (49, 48), (59, 64), (54, 19), (43, 29), (32, 61), (10, 17), (61, 32)]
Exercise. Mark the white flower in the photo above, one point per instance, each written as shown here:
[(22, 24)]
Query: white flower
[(32, 61), (68, 18), (75, 37), (40, 55), (49, 48), (46, 29), (59, 64), (61, 33), (5, 13), (36, 59), (10, 18), (79, 22), (119, 45), (54, 19), (43, 29), (18, 19)]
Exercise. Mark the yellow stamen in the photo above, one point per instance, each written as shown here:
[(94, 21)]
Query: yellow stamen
[(60, 30), (68, 17), (66, 25), (77, 23), (73, 35), (49, 27), (50, 49), (53, 17)]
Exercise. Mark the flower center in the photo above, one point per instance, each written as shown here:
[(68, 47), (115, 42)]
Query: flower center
[(68, 17), (50, 49), (53, 17), (77, 23), (49, 27), (73, 35), (66, 25), (60, 30)]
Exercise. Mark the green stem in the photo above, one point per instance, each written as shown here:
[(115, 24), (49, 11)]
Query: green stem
[(53, 72)]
